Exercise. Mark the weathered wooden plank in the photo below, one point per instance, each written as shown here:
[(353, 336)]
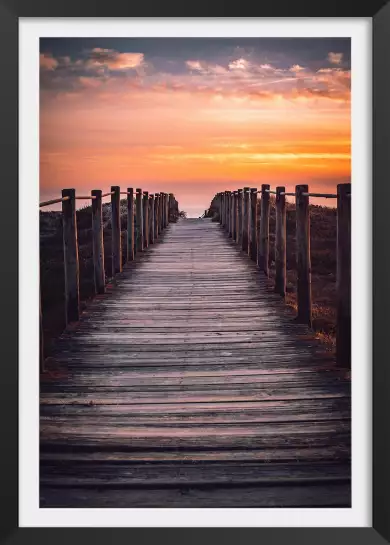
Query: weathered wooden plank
[(170, 475), (123, 397), (262, 496), (337, 454), (169, 414), (72, 437), (224, 373), (158, 418), (193, 361), (180, 388), (101, 382)]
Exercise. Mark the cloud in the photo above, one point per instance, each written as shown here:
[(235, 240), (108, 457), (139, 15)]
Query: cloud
[(195, 65), (239, 64), (47, 62), (114, 60), (108, 73), (266, 67), (296, 68), (335, 58), (203, 67), (334, 77)]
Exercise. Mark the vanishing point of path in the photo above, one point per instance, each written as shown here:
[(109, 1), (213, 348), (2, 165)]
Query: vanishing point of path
[(188, 384)]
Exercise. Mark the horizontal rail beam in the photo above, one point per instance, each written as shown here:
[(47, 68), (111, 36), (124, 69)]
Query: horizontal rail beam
[(53, 201), (321, 195), (86, 197)]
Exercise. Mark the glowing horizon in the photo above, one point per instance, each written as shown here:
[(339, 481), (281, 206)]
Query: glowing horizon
[(194, 116)]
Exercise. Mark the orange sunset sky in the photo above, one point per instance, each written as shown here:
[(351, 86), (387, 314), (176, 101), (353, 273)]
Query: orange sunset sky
[(194, 116)]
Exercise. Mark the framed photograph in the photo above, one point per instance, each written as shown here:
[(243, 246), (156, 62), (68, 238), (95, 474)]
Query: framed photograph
[(200, 265)]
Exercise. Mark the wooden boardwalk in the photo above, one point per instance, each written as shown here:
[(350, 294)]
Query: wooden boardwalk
[(188, 384)]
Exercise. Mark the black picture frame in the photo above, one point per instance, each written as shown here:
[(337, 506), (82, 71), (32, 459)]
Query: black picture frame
[(10, 12)]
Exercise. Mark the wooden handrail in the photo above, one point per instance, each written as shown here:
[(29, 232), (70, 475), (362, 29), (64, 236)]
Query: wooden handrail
[(53, 201), (162, 209), (86, 197), (233, 217), (322, 195)]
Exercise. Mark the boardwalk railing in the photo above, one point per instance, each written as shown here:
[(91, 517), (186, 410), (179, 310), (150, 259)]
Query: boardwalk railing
[(238, 216), (152, 215)]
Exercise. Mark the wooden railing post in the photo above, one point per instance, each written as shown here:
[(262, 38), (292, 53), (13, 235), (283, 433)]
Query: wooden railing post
[(231, 212), (97, 241), (156, 205), (41, 340), (220, 207), (130, 224), (303, 255), (71, 257), (280, 242), (116, 230), (146, 218), (157, 215), (245, 220), (162, 195), (152, 223), (165, 220), (263, 257), (227, 228), (225, 211), (171, 206), (139, 219), (343, 328), (162, 211), (253, 225), (166, 210), (150, 219), (234, 216), (239, 216)]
